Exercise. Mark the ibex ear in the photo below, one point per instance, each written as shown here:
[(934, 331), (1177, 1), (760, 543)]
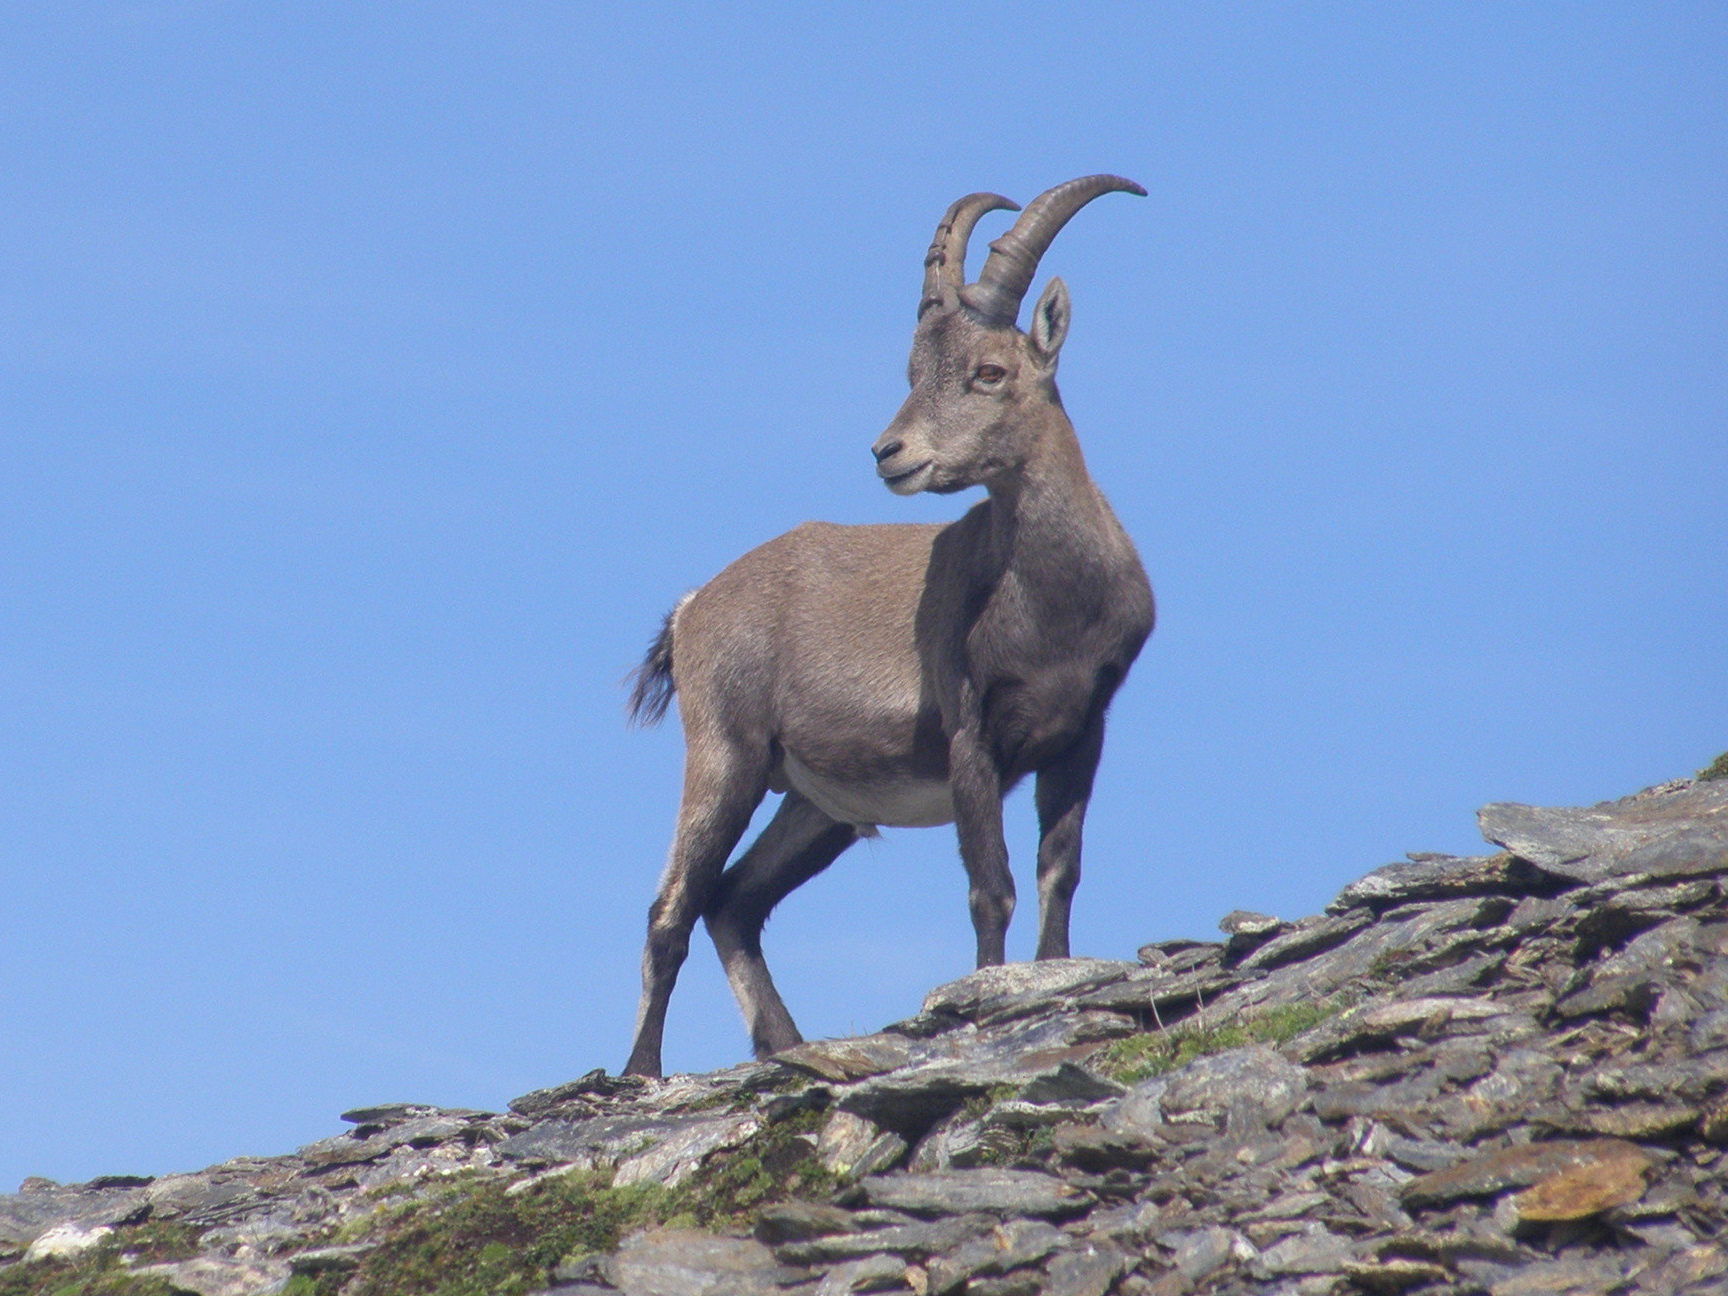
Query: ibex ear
[(1050, 321)]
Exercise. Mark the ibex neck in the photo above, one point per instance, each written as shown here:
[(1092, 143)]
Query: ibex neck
[(1050, 503)]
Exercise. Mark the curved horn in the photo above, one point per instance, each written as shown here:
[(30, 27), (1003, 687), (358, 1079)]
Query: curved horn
[(945, 262), (1014, 257)]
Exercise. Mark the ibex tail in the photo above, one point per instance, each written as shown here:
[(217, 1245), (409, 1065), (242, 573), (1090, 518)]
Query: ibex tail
[(651, 685)]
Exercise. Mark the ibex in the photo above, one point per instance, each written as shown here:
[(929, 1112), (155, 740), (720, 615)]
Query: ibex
[(907, 674)]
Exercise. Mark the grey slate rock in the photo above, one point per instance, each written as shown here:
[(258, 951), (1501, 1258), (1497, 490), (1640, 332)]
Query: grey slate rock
[(25, 1216), (1089, 1270), (917, 1239), (953, 1192), (852, 1145), (1314, 1251), (871, 1273), (1253, 1085), (799, 1221), (685, 1262), (1159, 995), (1529, 1093), (389, 1114), (1306, 938), (913, 1098), (1139, 1113), (1007, 1246), (595, 1084), (198, 1197), (1024, 1283), (1069, 1084), (974, 995), (1618, 838), (846, 1060), (1442, 878), (1247, 932), (1199, 1252), (603, 1140), (220, 1276)]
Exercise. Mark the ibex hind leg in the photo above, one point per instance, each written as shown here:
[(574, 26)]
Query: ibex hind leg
[(723, 784), (798, 843)]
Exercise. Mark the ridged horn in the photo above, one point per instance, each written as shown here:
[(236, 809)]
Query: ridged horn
[(1014, 257), (945, 262)]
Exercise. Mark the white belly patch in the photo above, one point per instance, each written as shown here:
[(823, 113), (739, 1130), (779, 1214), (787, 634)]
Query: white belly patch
[(907, 803)]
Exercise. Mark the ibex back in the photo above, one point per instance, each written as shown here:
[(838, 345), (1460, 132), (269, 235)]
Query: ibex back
[(908, 675)]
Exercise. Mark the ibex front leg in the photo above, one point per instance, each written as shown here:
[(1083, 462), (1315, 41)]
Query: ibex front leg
[(977, 788), (1064, 788)]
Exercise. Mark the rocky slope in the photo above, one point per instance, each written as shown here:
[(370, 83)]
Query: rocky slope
[(1504, 1074)]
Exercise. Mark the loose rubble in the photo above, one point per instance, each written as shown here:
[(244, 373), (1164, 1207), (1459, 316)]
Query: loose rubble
[(1505, 1074)]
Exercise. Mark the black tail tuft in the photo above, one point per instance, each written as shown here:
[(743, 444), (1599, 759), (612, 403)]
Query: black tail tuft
[(651, 685)]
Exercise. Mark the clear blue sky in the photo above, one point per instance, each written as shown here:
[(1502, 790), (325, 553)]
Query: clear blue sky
[(376, 375)]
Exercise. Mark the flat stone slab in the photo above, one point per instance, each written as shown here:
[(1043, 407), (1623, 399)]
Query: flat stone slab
[(1090, 1270), (64, 1240), (913, 1098), (995, 1250), (1517, 1167), (917, 1240), (26, 1216), (1372, 1025), (217, 1276), (687, 1262), (955, 1192), (1252, 1082), (1591, 843), (1613, 1178), (677, 1156), (1304, 939), (972, 994), (844, 1061), (643, 1148), (1445, 878)]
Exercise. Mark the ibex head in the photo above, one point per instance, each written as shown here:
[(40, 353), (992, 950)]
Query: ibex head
[(975, 376)]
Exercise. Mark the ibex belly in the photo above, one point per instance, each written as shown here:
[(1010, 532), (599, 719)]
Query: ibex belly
[(893, 802)]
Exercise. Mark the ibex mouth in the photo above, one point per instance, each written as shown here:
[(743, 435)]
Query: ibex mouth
[(896, 481)]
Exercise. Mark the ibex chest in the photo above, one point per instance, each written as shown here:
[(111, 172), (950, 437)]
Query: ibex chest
[(1043, 679), (1030, 721)]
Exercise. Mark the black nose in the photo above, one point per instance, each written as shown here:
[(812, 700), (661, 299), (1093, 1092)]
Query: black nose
[(886, 451)]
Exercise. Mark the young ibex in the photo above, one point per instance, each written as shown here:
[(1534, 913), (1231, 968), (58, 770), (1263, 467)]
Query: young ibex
[(907, 674)]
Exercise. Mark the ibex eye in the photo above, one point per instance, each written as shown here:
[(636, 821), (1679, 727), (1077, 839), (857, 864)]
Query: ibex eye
[(990, 373)]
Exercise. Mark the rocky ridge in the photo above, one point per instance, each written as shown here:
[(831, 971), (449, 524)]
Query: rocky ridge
[(1502, 1074)]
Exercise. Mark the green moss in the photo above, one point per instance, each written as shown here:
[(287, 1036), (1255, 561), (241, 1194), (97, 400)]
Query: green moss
[(777, 1165), (719, 1100), (1716, 769), (1138, 1057), (479, 1239), (1388, 965), (82, 1277), (106, 1269), (328, 1283), (472, 1236)]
